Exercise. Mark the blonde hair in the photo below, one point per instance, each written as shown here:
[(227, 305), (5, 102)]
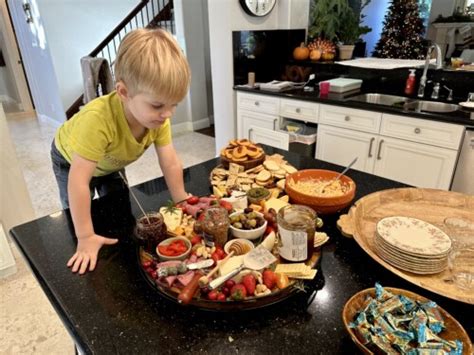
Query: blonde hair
[(150, 61)]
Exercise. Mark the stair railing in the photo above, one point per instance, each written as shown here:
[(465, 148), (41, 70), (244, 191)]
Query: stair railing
[(149, 13)]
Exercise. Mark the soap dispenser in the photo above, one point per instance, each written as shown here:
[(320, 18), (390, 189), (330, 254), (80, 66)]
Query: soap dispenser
[(410, 84)]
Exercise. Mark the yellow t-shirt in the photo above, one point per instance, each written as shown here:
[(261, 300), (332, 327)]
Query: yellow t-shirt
[(100, 132)]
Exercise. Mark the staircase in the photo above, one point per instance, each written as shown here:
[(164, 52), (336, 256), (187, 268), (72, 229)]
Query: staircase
[(149, 13)]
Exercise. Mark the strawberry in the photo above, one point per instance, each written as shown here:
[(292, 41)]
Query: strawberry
[(227, 205), (238, 292), (192, 200), (196, 239), (269, 278), (250, 283)]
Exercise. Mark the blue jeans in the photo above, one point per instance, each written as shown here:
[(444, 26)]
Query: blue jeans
[(100, 184)]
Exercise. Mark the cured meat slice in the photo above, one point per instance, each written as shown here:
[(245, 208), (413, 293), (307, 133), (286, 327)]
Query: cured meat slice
[(185, 278)]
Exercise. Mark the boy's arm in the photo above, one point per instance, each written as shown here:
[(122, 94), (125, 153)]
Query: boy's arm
[(172, 171), (88, 243)]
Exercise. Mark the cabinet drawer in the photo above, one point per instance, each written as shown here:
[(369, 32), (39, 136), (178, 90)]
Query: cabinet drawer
[(439, 134), (269, 137), (366, 121), (258, 103), (300, 110)]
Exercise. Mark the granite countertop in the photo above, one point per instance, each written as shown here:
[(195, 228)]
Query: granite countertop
[(458, 117), (114, 310)]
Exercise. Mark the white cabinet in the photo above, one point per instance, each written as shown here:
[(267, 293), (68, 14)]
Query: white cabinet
[(269, 137), (258, 119), (341, 146), (299, 110), (415, 164), (366, 121), (255, 119), (410, 150)]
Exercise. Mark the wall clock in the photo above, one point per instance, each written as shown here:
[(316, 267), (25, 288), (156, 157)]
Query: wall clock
[(257, 7)]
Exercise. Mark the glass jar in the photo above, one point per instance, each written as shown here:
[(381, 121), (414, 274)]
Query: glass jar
[(150, 230), (215, 226), (296, 228)]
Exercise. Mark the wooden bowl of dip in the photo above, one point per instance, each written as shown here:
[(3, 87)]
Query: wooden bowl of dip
[(326, 203)]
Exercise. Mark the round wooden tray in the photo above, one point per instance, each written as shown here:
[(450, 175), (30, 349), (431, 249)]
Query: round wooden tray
[(248, 164), (231, 306), (432, 206), (453, 331)]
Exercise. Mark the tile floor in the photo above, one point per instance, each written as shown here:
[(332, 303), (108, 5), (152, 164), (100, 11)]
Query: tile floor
[(28, 323)]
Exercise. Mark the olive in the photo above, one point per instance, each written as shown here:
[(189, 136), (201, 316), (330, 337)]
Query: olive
[(237, 225), (248, 210), (252, 223)]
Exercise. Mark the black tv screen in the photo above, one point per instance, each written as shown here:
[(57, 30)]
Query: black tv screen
[(264, 52)]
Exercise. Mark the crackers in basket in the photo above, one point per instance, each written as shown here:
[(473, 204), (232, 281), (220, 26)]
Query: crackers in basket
[(271, 174)]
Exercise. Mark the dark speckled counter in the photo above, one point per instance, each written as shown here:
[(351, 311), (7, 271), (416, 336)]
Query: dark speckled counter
[(114, 311)]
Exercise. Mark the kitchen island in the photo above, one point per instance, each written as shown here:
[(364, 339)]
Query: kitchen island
[(114, 310)]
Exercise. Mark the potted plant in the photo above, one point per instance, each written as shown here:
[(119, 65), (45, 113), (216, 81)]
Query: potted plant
[(337, 21), (351, 30)]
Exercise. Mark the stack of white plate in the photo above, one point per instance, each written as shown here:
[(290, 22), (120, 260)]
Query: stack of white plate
[(411, 244)]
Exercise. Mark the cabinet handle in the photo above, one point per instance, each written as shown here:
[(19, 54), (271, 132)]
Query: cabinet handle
[(257, 103), (370, 146), (417, 130), (347, 118), (380, 148), (275, 121), (298, 110), (250, 130)]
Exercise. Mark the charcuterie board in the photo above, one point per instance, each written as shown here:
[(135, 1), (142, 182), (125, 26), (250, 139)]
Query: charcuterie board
[(437, 207), (200, 302)]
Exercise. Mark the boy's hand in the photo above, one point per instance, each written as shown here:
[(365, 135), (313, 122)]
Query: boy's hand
[(87, 251)]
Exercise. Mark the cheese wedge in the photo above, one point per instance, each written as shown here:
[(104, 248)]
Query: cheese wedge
[(275, 203), (172, 219), (231, 264)]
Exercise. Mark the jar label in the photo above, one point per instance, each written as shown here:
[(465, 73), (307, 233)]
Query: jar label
[(294, 244)]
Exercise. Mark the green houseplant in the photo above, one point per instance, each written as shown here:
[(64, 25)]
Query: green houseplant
[(337, 21)]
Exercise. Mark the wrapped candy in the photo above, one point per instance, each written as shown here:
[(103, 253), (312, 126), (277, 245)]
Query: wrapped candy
[(394, 324)]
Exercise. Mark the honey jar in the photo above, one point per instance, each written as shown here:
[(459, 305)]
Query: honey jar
[(296, 227)]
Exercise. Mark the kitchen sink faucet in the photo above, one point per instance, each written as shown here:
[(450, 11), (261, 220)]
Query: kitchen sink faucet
[(439, 65)]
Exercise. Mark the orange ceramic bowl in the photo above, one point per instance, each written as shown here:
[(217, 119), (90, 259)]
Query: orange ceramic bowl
[(321, 204)]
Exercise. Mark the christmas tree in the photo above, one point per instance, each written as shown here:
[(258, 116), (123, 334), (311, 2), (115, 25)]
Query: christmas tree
[(402, 34)]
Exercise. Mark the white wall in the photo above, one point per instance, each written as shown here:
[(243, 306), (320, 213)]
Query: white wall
[(439, 7), (7, 85), (191, 32), (226, 16), (74, 28)]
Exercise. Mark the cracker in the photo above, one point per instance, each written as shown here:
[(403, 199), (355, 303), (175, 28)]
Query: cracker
[(234, 168)]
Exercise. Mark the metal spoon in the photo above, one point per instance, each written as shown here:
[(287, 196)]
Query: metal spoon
[(135, 197), (340, 174)]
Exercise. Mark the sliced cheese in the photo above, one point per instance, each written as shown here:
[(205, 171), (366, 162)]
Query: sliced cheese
[(231, 264), (275, 203), (172, 219)]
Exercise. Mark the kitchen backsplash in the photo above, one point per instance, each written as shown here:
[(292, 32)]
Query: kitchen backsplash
[(269, 55)]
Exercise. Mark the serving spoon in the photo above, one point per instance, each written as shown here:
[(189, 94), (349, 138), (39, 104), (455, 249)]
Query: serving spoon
[(135, 197), (339, 175)]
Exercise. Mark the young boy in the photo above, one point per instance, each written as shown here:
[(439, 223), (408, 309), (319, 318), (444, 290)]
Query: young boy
[(152, 77)]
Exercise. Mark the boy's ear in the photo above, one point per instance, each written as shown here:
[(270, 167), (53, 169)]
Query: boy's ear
[(122, 90)]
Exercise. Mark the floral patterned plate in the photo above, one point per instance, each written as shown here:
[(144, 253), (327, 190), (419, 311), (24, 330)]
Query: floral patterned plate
[(413, 236)]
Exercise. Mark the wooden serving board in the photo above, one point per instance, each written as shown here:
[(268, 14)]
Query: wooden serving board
[(433, 206)]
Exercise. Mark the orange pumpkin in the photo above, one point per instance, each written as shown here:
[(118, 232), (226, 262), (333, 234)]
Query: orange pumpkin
[(315, 54), (301, 52)]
